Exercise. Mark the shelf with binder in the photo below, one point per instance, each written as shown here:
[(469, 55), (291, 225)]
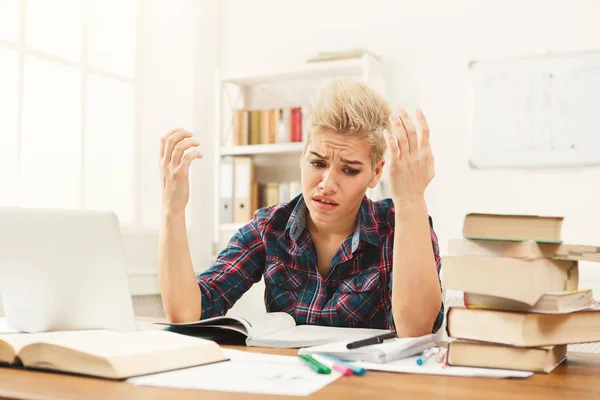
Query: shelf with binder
[(260, 128), (247, 185)]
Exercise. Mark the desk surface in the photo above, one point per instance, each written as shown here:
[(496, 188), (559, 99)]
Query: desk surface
[(577, 378)]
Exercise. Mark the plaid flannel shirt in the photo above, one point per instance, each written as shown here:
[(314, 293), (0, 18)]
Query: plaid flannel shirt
[(276, 246)]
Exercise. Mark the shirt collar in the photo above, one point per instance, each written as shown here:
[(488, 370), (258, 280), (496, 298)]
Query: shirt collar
[(366, 229), (297, 221), (369, 228)]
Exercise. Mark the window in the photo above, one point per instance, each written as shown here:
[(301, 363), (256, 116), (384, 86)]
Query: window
[(67, 105)]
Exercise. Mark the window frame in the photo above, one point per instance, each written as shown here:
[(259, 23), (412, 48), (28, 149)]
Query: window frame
[(85, 70)]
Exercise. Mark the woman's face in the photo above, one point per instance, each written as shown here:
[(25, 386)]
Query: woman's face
[(336, 172)]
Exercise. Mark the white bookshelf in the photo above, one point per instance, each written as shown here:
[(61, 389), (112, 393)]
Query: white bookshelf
[(232, 227), (256, 149), (267, 89), (321, 70)]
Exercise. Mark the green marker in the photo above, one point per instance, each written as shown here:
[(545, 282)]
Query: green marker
[(315, 365)]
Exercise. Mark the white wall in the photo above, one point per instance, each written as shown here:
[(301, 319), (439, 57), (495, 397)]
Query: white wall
[(425, 47), (166, 73), (166, 69)]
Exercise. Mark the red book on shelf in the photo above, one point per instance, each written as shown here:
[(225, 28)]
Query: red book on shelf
[(296, 124)]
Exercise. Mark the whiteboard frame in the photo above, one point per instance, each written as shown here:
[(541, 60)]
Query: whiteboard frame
[(587, 153)]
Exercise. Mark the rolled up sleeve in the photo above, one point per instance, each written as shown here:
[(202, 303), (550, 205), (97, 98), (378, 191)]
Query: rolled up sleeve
[(236, 269)]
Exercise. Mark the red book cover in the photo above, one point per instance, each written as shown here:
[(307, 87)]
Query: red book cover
[(296, 124)]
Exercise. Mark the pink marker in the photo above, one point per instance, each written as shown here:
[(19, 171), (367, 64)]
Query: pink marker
[(333, 365), (344, 370)]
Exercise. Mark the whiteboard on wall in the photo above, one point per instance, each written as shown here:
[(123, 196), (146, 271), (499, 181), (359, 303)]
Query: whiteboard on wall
[(539, 111)]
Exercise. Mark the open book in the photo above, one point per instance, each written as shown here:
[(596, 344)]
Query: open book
[(389, 350), (107, 354), (277, 330)]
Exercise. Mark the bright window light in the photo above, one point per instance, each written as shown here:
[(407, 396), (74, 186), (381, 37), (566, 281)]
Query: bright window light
[(112, 36), (55, 27), (51, 135), (10, 14), (9, 138), (109, 147)]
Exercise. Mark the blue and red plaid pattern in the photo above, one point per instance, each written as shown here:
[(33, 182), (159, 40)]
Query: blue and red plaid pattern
[(275, 246)]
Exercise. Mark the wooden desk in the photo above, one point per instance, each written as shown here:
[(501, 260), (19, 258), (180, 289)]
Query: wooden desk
[(577, 378)]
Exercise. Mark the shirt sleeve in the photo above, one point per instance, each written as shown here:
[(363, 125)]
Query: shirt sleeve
[(438, 265), (236, 269)]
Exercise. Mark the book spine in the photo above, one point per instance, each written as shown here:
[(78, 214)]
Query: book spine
[(296, 124)]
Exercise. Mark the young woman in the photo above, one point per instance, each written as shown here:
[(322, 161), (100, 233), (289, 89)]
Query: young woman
[(330, 256)]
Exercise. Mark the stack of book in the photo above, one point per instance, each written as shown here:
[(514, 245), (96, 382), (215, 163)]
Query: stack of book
[(522, 300)]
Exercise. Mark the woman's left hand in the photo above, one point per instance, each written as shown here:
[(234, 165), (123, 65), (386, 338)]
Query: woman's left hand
[(411, 159)]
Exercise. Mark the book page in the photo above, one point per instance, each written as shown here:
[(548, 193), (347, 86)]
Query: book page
[(118, 355), (269, 323), (20, 340), (109, 344), (312, 335)]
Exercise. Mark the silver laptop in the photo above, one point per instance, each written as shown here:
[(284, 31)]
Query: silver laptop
[(63, 270)]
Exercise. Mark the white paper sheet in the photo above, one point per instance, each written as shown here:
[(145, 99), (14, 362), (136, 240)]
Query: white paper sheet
[(432, 367), (246, 372)]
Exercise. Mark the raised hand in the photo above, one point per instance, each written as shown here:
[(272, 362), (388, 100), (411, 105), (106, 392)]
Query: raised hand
[(175, 166), (411, 159)]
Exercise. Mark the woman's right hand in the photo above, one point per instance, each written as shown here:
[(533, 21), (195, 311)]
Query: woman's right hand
[(175, 167)]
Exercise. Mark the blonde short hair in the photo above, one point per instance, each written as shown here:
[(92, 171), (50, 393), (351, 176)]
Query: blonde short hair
[(350, 107)]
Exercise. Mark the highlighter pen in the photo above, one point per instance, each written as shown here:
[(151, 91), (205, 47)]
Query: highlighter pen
[(333, 365), (424, 357), (357, 370), (315, 365)]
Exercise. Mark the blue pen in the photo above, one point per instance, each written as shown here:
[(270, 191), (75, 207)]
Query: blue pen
[(354, 368), (424, 357)]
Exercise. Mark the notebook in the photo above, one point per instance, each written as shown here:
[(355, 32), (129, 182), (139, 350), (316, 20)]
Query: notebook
[(390, 350), (107, 354), (276, 330)]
